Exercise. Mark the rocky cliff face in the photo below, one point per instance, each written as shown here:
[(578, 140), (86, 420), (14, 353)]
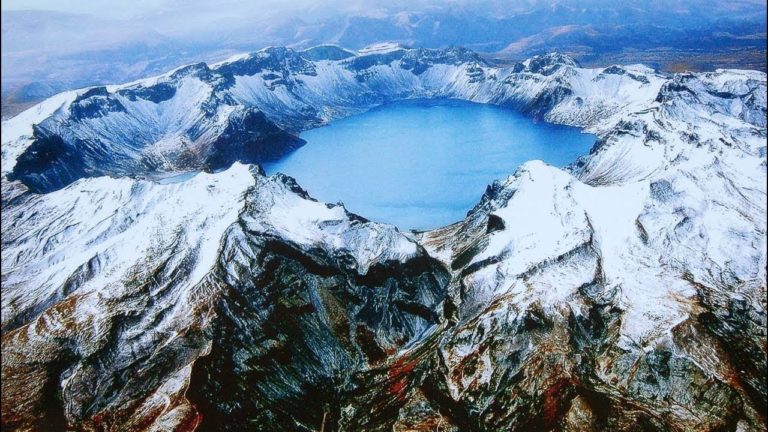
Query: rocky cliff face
[(626, 292)]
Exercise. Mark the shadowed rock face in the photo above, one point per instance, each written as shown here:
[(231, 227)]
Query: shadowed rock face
[(56, 159), (48, 163), (249, 138), (294, 330), (625, 293)]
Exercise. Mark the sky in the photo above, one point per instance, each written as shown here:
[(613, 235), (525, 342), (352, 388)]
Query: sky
[(171, 14), (133, 8), (189, 18), (123, 9)]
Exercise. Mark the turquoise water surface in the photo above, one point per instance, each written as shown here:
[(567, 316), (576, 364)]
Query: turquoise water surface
[(422, 164)]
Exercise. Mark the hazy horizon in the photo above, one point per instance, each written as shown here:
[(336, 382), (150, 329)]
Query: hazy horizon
[(50, 46)]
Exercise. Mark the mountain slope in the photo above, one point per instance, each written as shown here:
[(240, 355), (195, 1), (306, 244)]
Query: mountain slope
[(626, 291)]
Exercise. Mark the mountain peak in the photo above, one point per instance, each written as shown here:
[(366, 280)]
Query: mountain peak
[(382, 48)]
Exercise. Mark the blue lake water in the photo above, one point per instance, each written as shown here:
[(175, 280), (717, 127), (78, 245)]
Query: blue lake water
[(423, 164)]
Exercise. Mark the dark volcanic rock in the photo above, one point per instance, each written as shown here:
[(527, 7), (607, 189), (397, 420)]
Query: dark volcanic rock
[(250, 138), (294, 327)]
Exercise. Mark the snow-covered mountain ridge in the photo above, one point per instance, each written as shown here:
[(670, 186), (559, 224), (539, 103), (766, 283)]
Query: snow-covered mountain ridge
[(249, 107), (628, 290)]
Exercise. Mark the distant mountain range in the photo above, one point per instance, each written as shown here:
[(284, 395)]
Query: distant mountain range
[(47, 52)]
